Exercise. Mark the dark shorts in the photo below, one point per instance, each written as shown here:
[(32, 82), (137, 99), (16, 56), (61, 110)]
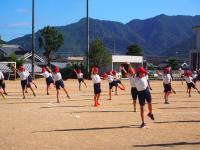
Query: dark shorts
[(144, 96), (97, 88), (134, 93), (80, 80), (167, 87), (30, 79), (49, 80), (24, 84), (59, 84), (118, 81), (191, 85), (111, 84), (2, 84)]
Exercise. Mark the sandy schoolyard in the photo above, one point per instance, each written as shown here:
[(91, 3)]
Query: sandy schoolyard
[(39, 123)]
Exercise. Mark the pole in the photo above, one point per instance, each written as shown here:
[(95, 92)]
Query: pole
[(33, 38), (88, 38)]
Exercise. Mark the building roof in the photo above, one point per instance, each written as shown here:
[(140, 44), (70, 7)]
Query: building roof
[(9, 49)]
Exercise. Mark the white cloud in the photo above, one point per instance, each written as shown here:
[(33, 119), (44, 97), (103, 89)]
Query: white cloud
[(21, 10)]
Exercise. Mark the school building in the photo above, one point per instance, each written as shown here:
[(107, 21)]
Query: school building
[(194, 56)]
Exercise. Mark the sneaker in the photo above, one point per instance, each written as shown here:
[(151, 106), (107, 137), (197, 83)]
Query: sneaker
[(189, 95), (121, 88), (34, 94), (98, 103), (174, 92), (26, 91), (47, 93), (134, 110), (150, 115), (167, 102), (4, 97), (143, 125), (68, 97), (5, 93)]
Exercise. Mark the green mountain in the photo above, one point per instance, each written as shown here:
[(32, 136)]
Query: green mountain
[(160, 35)]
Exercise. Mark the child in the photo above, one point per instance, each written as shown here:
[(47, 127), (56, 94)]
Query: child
[(190, 83), (59, 83), (2, 86), (2, 83), (24, 80), (48, 77), (167, 79), (80, 78), (30, 80), (181, 74), (117, 81), (97, 85), (143, 94), (131, 76), (111, 84)]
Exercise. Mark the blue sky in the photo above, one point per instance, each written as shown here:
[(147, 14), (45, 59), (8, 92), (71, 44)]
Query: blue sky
[(15, 15)]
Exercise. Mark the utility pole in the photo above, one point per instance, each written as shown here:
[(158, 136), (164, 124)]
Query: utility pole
[(88, 38), (33, 38)]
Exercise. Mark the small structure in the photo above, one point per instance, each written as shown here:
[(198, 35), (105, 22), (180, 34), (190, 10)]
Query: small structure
[(194, 56), (118, 59), (6, 50)]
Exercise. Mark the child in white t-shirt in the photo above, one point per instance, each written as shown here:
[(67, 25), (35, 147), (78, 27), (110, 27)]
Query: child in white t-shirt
[(97, 85), (79, 75), (59, 83), (190, 83)]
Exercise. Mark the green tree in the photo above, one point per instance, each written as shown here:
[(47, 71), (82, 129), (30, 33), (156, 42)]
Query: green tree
[(50, 40), (19, 62), (1, 41), (98, 54), (173, 62), (134, 50)]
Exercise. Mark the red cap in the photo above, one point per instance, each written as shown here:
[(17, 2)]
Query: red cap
[(56, 69), (188, 73), (141, 70), (78, 71), (131, 71), (104, 75), (166, 70), (43, 69), (111, 73), (21, 68), (96, 69), (114, 72)]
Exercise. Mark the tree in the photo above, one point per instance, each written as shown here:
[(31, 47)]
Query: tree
[(1, 42), (50, 40), (19, 62), (98, 54), (173, 62), (134, 50)]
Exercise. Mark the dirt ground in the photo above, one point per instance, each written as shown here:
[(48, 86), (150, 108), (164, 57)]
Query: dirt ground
[(39, 123)]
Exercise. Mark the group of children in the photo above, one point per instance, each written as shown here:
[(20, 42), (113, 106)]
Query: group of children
[(140, 87)]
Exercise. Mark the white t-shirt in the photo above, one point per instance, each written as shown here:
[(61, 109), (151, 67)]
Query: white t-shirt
[(188, 79), (79, 75), (58, 76), (110, 78), (141, 83), (166, 78), (194, 76), (23, 75), (45, 74), (132, 80), (1, 75), (27, 73), (96, 78)]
